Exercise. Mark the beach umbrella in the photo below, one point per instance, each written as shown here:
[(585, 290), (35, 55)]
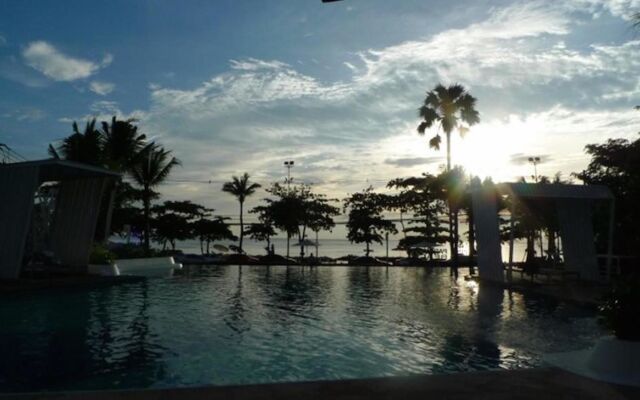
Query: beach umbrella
[(221, 248)]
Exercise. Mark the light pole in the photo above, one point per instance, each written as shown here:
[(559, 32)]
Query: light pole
[(288, 165), (535, 160)]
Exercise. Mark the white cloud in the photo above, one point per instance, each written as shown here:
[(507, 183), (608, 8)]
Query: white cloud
[(25, 114), (618, 8), (538, 93), (58, 66), (101, 88), (103, 110)]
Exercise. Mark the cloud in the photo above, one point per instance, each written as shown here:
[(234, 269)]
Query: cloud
[(618, 8), (413, 161), (25, 114), (103, 111), (3, 40), (539, 93), (101, 88), (58, 66)]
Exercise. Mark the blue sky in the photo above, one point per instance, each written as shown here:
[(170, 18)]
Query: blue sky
[(234, 86)]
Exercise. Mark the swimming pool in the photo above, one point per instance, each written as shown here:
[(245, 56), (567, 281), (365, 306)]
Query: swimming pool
[(239, 325)]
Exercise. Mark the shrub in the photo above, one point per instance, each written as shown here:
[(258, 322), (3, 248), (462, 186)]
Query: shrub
[(100, 255), (620, 311)]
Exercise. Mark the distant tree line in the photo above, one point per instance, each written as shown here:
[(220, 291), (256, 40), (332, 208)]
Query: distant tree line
[(428, 205)]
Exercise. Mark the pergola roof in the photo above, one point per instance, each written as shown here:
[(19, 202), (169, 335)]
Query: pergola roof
[(60, 170), (555, 191)]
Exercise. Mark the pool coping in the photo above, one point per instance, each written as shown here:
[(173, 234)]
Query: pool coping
[(535, 384)]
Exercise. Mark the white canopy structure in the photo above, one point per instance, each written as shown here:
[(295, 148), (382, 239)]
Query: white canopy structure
[(77, 206), (573, 206)]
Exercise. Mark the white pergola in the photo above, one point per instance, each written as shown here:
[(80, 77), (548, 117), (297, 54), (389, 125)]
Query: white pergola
[(77, 205), (573, 206)]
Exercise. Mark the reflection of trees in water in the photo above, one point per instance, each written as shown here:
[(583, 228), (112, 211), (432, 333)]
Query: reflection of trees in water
[(476, 349), (86, 347), (366, 281), (294, 291), (235, 317), (34, 358), (130, 349)]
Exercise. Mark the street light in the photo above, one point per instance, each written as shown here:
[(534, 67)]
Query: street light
[(535, 160), (288, 165)]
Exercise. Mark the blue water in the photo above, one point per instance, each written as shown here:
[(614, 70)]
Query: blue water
[(238, 325)]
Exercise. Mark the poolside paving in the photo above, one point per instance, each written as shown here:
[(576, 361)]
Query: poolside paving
[(538, 384)]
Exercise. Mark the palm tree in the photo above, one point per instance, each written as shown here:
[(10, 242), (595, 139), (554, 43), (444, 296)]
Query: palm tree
[(150, 168), (241, 189), (84, 147), (449, 108), (122, 143)]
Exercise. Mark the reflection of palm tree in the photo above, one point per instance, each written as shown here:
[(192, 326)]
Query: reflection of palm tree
[(241, 189), (449, 108), (151, 167)]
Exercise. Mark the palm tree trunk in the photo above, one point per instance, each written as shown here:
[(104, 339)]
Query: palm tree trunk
[(367, 250), (107, 222), (147, 219), (241, 228), (448, 151), (472, 239)]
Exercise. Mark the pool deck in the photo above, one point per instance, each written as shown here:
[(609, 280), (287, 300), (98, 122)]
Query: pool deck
[(535, 384)]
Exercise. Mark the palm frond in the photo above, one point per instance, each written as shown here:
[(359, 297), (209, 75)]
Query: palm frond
[(435, 141)]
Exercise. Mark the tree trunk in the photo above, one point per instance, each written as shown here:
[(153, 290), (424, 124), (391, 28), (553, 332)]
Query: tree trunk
[(107, 221), (456, 261), (551, 244), (472, 234), (472, 240), (241, 228), (453, 219), (448, 151), (147, 219), (367, 251), (302, 236)]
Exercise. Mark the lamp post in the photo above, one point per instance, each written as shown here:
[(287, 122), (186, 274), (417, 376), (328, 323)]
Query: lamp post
[(535, 160), (288, 165)]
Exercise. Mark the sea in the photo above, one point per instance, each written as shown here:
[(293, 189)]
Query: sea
[(337, 247)]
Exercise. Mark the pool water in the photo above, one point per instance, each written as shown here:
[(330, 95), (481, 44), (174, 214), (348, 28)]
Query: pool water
[(239, 325)]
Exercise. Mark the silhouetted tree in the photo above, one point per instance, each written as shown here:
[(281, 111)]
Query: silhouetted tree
[(151, 168), (450, 109), (84, 147), (366, 223), (261, 232), (616, 164), (295, 209), (424, 199), (240, 188), (211, 229)]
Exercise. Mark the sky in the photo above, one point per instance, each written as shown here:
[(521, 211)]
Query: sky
[(232, 86)]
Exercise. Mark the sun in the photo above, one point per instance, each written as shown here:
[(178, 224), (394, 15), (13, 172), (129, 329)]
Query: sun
[(486, 151)]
